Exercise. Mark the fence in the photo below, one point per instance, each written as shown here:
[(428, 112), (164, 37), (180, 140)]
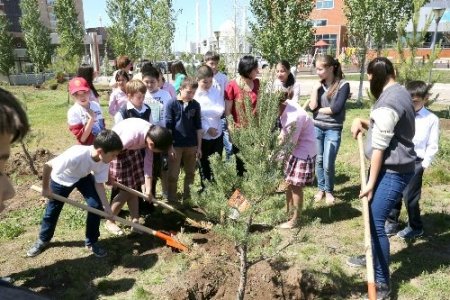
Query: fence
[(27, 79)]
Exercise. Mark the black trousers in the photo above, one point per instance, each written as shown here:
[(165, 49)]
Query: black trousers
[(209, 147), (411, 197)]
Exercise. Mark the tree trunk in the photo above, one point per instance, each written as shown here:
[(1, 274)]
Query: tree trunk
[(29, 158), (243, 271), (361, 74)]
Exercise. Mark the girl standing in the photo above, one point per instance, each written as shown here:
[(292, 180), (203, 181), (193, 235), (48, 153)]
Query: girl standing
[(299, 168), (87, 72), (285, 80), (328, 105), (390, 148), (118, 96), (178, 74)]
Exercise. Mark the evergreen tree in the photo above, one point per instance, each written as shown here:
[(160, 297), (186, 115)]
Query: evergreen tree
[(36, 35), (69, 29), (281, 29), (6, 47), (262, 156)]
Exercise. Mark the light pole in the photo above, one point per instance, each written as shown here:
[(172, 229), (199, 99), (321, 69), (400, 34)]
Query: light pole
[(438, 13), (217, 35)]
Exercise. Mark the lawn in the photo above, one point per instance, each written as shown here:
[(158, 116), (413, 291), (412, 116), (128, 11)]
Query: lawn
[(140, 267), (439, 76)]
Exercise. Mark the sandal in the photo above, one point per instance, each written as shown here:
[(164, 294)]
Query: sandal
[(113, 229)]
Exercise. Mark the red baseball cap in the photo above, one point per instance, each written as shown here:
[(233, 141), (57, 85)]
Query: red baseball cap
[(78, 84)]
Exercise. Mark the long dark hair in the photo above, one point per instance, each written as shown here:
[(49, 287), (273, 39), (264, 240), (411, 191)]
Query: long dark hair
[(330, 61), (382, 70), (177, 67), (290, 80), (87, 72), (246, 65)]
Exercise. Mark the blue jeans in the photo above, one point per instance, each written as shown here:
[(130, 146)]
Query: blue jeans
[(327, 144), (388, 189), (226, 139), (86, 186)]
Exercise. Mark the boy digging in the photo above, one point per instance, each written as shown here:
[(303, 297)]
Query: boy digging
[(85, 168)]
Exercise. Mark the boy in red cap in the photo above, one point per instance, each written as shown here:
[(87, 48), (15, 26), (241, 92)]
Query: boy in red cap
[(85, 117)]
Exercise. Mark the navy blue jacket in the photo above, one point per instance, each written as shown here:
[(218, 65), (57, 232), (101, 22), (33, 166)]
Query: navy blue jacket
[(183, 119)]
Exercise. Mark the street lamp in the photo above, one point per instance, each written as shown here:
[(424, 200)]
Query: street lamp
[(438, 12), (217, 35)]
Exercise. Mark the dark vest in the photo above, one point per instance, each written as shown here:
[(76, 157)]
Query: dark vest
[(132, 113)]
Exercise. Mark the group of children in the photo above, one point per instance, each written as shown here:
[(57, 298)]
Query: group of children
[(151, 125)]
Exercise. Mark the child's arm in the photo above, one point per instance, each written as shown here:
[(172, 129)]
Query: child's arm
[(113, 103), (376, 162), (100, 188), (88, 127), (359, 125), (46, 190), (313, 101), (148, 170), (432, 144)]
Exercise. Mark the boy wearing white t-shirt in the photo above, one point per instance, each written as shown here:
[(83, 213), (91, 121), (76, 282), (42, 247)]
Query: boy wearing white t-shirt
[(85, 168)]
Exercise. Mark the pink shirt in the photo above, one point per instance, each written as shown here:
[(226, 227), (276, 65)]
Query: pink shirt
[(169, 88), (295, 118), (117, 99), (132, 133)]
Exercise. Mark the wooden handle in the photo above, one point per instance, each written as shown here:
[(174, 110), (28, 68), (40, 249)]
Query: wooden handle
[(161, 203), (367, 239), (169, 240), (305, 105)]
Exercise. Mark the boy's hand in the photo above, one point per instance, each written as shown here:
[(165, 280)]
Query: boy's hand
[(356, 128), (108, 210), (212, 131), (47, 192), (91, 114), (199, 153)]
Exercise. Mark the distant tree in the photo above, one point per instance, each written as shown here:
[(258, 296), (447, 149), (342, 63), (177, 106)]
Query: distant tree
[(281, 29), (6, 48), (408, 68), (156, 26), (36, 35), (122, 33), (69, 29), (373, 21)]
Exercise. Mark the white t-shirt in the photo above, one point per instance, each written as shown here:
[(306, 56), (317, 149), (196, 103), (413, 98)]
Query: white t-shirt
[(77, 114), (220, 82), (76, 163), (212, 108), (157, 100)]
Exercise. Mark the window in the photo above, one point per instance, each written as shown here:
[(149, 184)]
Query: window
[(317, 23), (330, 39), (324, 4)]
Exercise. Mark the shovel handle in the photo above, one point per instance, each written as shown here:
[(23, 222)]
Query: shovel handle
[(367, 238), (170, 240), (161, 203)]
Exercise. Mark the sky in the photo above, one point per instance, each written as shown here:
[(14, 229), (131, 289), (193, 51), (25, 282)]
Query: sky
[(221, 10)]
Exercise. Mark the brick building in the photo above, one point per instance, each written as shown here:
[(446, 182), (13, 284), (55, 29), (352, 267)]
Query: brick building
[(330, 25)]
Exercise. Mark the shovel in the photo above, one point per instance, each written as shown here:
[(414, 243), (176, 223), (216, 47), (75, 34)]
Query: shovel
[(372, 293), (203, 225), (170, 241)]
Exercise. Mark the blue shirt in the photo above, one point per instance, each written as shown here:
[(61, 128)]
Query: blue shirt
[(183, 119)]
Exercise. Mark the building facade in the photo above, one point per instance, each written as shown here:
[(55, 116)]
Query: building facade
[(330, 25)]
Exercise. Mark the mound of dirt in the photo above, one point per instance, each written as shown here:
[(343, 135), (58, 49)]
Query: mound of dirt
[(214, 274), (19, 164)]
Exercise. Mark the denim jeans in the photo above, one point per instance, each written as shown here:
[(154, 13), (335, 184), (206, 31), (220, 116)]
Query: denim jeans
[(388, 188), (411, 197), (86, 186), (226, 139), (327, 144)]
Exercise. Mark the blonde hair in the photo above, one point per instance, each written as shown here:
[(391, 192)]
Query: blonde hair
[(135, 85)]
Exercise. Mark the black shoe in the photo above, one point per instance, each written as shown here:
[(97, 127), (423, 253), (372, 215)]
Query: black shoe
[(357, 261), (97, 250), (390, 228)]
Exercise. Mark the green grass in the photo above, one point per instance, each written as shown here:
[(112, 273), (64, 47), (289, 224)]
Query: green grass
[(133, 270)]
